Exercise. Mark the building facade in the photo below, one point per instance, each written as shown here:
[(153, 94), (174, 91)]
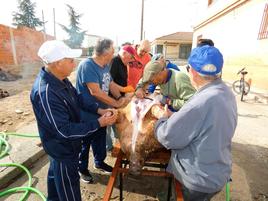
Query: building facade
[(176, 46), (239, 28)]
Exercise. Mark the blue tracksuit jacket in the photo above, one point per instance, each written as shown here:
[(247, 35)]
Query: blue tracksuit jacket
[(57, 112)]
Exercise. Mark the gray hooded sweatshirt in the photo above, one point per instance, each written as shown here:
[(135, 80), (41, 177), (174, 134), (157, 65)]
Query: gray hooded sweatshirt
[(199, 136)]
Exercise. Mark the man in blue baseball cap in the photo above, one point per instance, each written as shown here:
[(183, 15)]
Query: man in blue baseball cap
[(199, 135)]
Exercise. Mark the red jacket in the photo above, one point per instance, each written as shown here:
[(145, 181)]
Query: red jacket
[(135, 69)]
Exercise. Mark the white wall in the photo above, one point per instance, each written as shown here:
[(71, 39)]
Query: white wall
[(236, 35)]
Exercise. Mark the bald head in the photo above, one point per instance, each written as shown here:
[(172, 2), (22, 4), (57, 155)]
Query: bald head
[(144, 47)]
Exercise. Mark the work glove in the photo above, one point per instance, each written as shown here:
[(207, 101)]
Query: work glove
[(128, 89)]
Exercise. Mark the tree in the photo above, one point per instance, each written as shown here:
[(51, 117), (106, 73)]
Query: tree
[(76, 37), (26, 15)]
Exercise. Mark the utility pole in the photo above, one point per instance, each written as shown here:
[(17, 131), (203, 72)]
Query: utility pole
[(43, 18), (54, 20), (44, 26), (142, 13), (144, 35)]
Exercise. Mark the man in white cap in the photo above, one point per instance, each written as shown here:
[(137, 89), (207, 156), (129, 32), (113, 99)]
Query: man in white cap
[(56, 108), (142, 57), (199, 135)]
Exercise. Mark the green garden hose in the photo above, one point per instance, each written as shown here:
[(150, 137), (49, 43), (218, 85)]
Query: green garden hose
[(19, 134), (3, 143), (227, 191), (4, 148), (27, 189), (27, 172)]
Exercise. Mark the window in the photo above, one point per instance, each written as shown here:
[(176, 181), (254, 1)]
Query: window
[(159, 49), (263, 33), (185, 50)]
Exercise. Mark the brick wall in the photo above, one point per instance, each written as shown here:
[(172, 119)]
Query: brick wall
[(19, 46)]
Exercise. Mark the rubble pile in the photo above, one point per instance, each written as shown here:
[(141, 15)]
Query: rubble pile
[(6, 76), (3, 93)]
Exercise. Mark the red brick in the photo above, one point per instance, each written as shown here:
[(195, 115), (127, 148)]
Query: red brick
[(27, 43)]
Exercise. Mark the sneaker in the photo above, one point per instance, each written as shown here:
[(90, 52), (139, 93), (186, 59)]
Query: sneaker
[(86, 177), (105, 168)]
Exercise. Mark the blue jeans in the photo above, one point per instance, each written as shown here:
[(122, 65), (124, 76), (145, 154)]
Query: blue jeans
[(111, 134), (63, 181), (98, 143)]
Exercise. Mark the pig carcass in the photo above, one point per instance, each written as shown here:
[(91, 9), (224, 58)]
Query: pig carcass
[(135, 129)]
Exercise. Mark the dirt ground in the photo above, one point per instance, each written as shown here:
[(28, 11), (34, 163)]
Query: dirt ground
[(16, 110), (250, 153)]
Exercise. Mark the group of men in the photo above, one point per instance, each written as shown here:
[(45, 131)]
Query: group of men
[(197, 126)]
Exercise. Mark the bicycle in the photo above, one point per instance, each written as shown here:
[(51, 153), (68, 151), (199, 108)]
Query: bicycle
[(241, 86)]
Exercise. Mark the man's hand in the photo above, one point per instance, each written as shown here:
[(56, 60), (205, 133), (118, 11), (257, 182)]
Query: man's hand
[(103, 111), (140, 93), (108, 118), (159, 112), (122, 102)]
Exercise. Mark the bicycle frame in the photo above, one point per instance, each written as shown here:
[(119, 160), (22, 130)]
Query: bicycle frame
[(241, 86)]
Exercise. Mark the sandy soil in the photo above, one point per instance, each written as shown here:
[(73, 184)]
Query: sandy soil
[(16, 110)]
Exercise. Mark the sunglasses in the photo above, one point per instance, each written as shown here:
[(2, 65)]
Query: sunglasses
[(135, 64), (188, 68)]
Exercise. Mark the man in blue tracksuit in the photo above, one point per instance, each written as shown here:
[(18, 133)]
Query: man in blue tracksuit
[(56, 107)]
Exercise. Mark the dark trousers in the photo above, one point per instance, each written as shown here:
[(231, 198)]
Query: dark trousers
[(98, 143), (63, 181), (191, 195)]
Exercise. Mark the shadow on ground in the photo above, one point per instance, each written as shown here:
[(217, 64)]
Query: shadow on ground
[(250, 180), (254, 161)]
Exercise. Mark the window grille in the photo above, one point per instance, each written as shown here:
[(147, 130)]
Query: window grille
[(184, 51), (263, 33)]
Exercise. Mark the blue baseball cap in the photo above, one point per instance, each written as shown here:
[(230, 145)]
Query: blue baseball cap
[(206, 60)]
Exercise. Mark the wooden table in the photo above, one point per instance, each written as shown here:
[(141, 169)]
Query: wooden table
[(159, 159)]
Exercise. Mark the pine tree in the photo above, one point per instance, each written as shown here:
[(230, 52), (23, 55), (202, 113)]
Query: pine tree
[(26, 15), (76, 37)]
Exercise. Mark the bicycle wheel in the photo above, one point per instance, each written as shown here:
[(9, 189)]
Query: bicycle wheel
[(237, 87)]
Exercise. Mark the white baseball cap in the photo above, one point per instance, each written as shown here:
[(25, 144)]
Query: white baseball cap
[(55, 50)]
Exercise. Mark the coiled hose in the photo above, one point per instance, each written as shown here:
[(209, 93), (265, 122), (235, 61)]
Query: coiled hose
[(4, 149)]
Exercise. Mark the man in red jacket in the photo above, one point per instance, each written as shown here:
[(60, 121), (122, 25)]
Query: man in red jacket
[(142, 57)]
